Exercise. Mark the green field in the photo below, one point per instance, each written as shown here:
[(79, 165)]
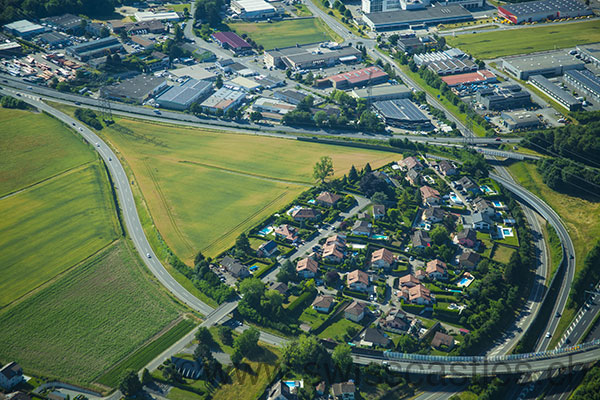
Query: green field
[(91, 318), (285, 33), (489, 45), (179, 7)]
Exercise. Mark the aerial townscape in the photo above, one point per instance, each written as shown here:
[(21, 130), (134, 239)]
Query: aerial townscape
[(299, 199)]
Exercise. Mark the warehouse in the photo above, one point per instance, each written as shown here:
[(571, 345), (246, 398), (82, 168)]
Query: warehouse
[(583, 82), (385, 91), (135, 90), (307, 57), (471, 78), (562, 97), (248, 85), (541, 10), (24, 28), (428, 58), (504, 97), (452, 66), (253, 9), (160, 16), (196, 72), (290, 96), (411, 44), (361, 77), (54, 39), (67, 23), (375, 6), (590, 52), (182, 96), (95, 48), (230, 40), (273, 106), (552, 63), (402, 113), (406, 19), (520, 120), (223, 99)]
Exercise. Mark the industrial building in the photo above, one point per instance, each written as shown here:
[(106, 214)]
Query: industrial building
[(269, 81), (428, 58), (9, 48), (583, 82), (552, 63), (195, 71), (290, 96), (590, 52), (452, 66), (135, 90), (385, 91), (253, 9), (307, 57), (230, 40), (376, 6), (562, 97), (160, 16), (223, 99), (272, 106), (439, 14), (411, 43), (95, 48), (361, 77), (472, 78), (67, 23), (182, 96), (520, 120), (24, 29), (54, 39), (144, 27), (541, 10), (248, 85), (504, 97), (402, 113)]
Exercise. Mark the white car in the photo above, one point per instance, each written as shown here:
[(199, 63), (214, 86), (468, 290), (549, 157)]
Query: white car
[(97, 144), (148, 255), (548, 335)]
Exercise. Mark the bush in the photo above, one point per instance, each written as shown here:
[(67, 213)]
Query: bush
[(88, 117), (11, 102)]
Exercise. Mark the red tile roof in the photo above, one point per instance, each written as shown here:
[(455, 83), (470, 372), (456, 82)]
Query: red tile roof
[(232, 39), (472, 77)]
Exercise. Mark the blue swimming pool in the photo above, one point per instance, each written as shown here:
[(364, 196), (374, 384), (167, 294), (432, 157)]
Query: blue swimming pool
[(253, 268), (290, 384), (486, 189), (455, 199), (379, 237), (462, 282), (496, 204), (265, 231)]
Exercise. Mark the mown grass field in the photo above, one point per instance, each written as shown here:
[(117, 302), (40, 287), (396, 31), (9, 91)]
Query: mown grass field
[(91, 318), (36, 147), (488, 45), (285, 33), (203, 188), (51, 227)]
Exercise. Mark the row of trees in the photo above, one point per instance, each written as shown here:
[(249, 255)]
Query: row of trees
[(11, 102), (588, 275), (88, 117), (209, 12), (566, 176), (11, 10)]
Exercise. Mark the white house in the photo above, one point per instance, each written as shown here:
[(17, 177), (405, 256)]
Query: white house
[(11, 375)]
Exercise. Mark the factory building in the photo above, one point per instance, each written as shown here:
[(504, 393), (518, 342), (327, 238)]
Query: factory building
[(54, 39), (223, 99), (253, 9), (565, 99), (231, 41), (552, 63), (290, 96), (182, 96), (171, 16), (402, 113), (136, 89), (504, 97), (520, 120), (541, 10), (452, 66), (385, 91), (95, 48), (67, 23), (391, 20), (411, 43), (472, 78), (585, 83), (272, 106), (428, 58), (24, 29), (590, 52), (361, 77), (308, 57), (377, 6)]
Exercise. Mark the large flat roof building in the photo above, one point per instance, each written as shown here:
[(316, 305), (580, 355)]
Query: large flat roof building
[(54, 39), (196, 72), (231, 40), (253, 9), (583, 82), (452, 66), (360, 77), (95, 48), (540, 10), (551, 63), (402, 113), (306, 57), (68, 23), (520, 120), (384, 91), (565, 99), (504, 97), (439, 14), (375, 6), (590, 52), (160, 16), (182, 96), (223, 99), (24, 28), (136, 89), (471, 78)]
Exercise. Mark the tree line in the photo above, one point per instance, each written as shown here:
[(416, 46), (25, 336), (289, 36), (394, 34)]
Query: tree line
[(569, 177), (11, 10)]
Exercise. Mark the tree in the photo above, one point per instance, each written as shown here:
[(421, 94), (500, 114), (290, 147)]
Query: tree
[(320, 118), (236, 357), (247, 342), (225, 335), (202, 352), (323, 169), (123, 35), (243, 244), (255, 116), (353, 174), (342, 357), (130, 385), (170, 373), (287, 272), (252, 289), (304, 353), (104, 32), (306, 104), (331, 277), (367, 169), (199, 258), (379, 198), (203, 335), (146, 377), (219, 81), (439, 235)]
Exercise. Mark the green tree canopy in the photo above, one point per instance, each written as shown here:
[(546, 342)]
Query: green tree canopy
[(323, 169)]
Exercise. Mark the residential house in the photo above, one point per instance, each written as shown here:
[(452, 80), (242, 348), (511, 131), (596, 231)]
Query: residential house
[(467, 184), (467, 237), (485, 207), (343, 391), (305, 214), (395, 321), (11, 375), (267, 249), (188, 368), (411, 163), (307, 268), (328, 199), (320, 388), (429, 195), (446, 168), (469, 259), (420, 274), (234, 267), (334, 249), (280, 287), (408, 281), (361, 228), (420, 239), (437, 269), (381, 175), (413, 177), (433, 215), (281, 391), (378, 211), (481, 222), (374, 337), (442, 341), (382, 258), (355, 311), (417, 294), (358, 280), (286, 232), (323, 303)]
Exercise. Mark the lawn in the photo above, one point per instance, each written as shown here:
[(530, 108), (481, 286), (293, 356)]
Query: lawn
[(338, 328), (488, 45), (313, 318), (502, 253), (179, 7), (52, 226), (302, 10), (36, 147), (285, 33), (91, 318)]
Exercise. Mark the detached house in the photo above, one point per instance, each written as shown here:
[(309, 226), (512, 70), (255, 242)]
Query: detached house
[(467, 184), (281, 391), (418, 294), (374, 337), (396, 321), (382, 258), (334, 249), (467, 237), (323, 303), (378, 211), (409, 281), (413, 177), (267, 249), (234, 267), (411, 163), (485, 207), (480, 221), (328, 199), (437, 269), (361, 228), (355, 311), (343, 391), (358, 280), (446, 168), (307, 268), (11, 375), (433, 215), (420, 239), (469, 259), (305, 214), (429, 195), (286, 232), (442, 341)]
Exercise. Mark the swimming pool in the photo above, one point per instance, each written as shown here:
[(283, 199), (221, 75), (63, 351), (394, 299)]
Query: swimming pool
[(457, 291), (290, 384), (379, 237), (462, 282), (253, 268), (497, 204), (265, 231), (486, 189), (455, 199)]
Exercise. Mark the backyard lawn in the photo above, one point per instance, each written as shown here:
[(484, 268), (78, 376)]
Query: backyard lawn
[(313, 318), (338, 328)]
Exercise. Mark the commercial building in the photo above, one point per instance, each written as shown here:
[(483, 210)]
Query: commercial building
[(54, 39), (95, 48), (196, 72), (160, 16), (590, 52), (562, 97), (223, 99), (552, 63), (249, 85), (402, 113), (136, 90), (361, 77), (447, 55), (274, 106), (144, 27), (452, 66), (230, 40), (541, 10), (375, 6), (24, 28), (583, 82), (411, 43), (471, 78), (9, 48), (439, 14), (290, 96), (253, 9), (269, 81), (307, 57), (504, 97), (520, 120), (182, 96), (68, 23), (385, 91)]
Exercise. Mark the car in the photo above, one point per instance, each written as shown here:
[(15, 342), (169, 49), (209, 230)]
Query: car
[(29, 87), (557, 314), (80, 129), (148, 255), (19, 94), (73, 123), (548, 335), (498, 139), (411, 258), (77, 103), (109, 158), (316, 248), (97, 144)]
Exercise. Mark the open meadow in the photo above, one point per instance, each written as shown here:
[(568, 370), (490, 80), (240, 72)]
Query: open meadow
[(88, 320), (489, 45)]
